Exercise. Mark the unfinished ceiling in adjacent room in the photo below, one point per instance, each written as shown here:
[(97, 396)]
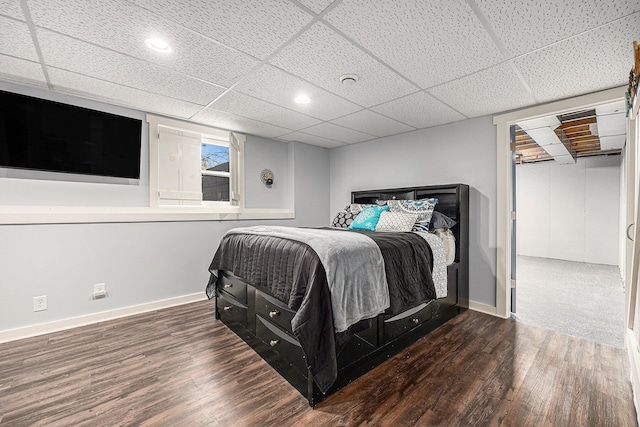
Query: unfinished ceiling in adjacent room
[(239, 65), (564, 138)]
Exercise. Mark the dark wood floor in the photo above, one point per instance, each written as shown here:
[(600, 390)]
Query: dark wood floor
[(180, 367)]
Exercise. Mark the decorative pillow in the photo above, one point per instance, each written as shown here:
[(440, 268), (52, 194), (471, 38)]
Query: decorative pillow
[(396, 221), (424, 209), (368, 218), (358, 207), (439, 220), (343, 219)]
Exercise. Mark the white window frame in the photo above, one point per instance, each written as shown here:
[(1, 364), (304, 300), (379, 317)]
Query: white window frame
[(235, 141), (219, 143)]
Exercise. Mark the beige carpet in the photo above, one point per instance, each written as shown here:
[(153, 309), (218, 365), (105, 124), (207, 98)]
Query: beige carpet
[(579, 299)]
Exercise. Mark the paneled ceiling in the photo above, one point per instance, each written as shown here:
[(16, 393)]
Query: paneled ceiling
[(239, 65), (584, 133)]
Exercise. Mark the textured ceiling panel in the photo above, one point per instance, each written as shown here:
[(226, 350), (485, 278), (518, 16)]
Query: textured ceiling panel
[(419, 110), (124, 28), (373, 123), (88, 87), (317, 5), (20, 70), (427, 42), (311, 139), (69, 54), (571, 68), (322, 56), (494, 89), (11, 8), (525, 25), (338, 133), (278, 87), (225, 120), (246, 106), (16, 40), (257, 27)]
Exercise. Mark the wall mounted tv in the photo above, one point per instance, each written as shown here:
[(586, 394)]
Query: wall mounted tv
[(51, 136)]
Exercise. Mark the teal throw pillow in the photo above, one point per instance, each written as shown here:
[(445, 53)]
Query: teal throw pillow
[(368, 218)]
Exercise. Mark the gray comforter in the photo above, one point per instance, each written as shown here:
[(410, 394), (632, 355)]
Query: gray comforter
[(294, 273)]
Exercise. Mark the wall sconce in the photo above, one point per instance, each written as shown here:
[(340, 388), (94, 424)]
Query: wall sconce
[(266, 176)]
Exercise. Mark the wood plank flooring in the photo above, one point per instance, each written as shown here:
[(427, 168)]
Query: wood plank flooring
[(181, 367)]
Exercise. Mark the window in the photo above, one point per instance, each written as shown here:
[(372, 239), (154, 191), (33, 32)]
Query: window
[(193, 165), (215, 172)]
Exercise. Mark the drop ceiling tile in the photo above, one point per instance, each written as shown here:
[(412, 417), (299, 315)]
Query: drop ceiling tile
[(372, 123), (321, 56), (123, 27), (83, 58), (225, 120), (614, 142), (525, 25), (246, 106), (257, 27), (87, 87), (22, 71), (485, 92), (317, 5), (311, 139), (338, 133), (427, 42), (11, 8), (593, 61), (16, 40), (419, 110), (278, 87)]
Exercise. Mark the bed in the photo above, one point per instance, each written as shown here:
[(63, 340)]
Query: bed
[(276, 288)]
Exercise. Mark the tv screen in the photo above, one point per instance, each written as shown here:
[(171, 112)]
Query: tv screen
[(51, 136)]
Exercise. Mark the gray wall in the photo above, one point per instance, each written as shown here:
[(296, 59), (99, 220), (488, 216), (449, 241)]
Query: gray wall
[(462, 152), (139, 262), (570, 212)]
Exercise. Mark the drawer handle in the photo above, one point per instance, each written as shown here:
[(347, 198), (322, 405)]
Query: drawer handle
[(415, 321), (227, 308), (274, 343), (228, 285), (274, 313)]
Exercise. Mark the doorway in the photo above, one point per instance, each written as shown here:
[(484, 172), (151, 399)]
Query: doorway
[(568, 174)]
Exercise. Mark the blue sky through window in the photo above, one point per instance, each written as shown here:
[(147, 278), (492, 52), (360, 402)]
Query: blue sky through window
[(213, 155)]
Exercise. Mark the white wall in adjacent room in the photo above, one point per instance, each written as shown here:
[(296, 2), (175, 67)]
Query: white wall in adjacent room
[(570, 212), (462, 152)]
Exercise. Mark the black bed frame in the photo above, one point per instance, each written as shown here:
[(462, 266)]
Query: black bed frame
[(264, 322)]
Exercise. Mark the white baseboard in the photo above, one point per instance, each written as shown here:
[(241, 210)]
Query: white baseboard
[(482, 308), (88, 319), (634, 362)]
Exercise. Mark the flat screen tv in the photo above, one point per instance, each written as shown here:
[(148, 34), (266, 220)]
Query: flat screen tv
[(50, 136)]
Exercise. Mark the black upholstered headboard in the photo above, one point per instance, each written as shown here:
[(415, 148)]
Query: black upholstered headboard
[(453, 201)]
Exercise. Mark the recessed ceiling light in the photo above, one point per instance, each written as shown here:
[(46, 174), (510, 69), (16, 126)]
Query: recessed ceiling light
[(158, 45), (302, 99), (348, 79)]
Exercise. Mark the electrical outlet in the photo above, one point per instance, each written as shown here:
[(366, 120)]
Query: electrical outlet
[(40, 303), (99, 291)]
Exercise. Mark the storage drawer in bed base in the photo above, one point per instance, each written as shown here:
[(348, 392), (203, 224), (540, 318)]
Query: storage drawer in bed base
[(364, 351)]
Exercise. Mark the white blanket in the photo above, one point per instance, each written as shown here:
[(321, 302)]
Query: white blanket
[(358, 287)]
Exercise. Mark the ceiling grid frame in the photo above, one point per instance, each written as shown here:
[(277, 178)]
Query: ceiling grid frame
[(594, 24)]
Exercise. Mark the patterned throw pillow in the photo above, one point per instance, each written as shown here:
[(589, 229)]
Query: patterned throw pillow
[(356, 208), (343, 219), (424, 209), (396, 221), (368, 218)]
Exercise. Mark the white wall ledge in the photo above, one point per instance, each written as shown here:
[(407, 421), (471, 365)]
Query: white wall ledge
[(84, 214)]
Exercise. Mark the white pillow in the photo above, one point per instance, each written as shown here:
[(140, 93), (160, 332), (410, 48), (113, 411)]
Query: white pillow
[(396, 221)]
